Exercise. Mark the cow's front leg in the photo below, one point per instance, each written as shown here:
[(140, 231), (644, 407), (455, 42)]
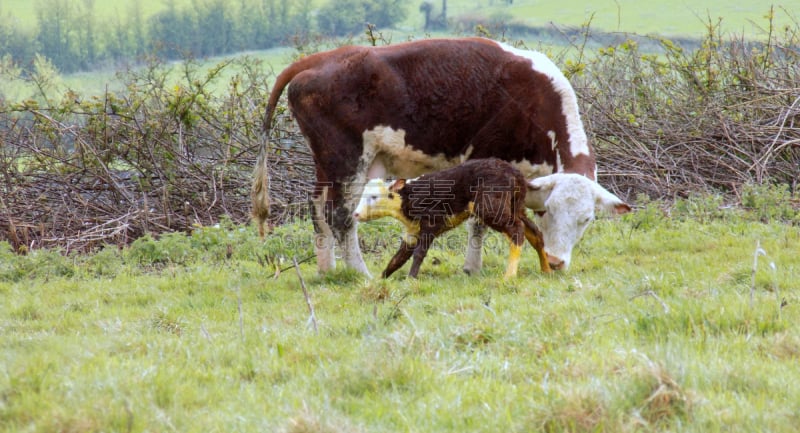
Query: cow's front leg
[(473, 260)]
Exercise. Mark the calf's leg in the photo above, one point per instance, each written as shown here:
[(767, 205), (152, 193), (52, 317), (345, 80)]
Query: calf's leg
[(400, 258), (421, 250), (515, 235)]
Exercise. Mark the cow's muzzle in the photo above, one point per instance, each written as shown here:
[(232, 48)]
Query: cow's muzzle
[(556, 264)]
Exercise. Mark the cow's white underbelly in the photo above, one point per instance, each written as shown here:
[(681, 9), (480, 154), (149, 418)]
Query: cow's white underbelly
[(386, 153)]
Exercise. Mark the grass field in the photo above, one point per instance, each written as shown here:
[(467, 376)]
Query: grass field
[(652, 329), (669, 18), (667, 321)]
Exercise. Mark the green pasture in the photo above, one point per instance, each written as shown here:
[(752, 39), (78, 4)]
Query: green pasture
[(682, 18), (664, 323), (667, 18)]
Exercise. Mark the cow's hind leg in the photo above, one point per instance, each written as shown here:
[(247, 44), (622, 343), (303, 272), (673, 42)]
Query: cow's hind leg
[(473, 260), (343, 227), (334, 224), (348, 241), (323, 235), (337, 173)]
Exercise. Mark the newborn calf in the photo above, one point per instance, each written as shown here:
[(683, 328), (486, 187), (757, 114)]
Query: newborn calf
[(490, 189)]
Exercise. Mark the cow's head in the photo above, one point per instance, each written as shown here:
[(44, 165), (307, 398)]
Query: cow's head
[(379, 200), (566, 204)]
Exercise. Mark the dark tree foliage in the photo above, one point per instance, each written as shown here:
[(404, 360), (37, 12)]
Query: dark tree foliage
[(342, 17), (56, 38), (71, 36), (14, 41), (171, 32)]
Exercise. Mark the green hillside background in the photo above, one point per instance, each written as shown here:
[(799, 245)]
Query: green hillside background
[(680, 20), (667, 18)]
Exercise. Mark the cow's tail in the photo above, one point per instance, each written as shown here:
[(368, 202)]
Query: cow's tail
[(259, 192)]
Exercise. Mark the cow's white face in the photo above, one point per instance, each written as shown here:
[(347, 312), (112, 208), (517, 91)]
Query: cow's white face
[(566, 204)]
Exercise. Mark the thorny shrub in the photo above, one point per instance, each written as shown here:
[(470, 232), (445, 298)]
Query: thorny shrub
[(170, 154)]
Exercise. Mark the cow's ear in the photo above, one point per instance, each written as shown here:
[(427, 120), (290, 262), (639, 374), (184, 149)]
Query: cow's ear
[(621, 208), (607, 201), (397, 185), (539, 190), (543, 184)]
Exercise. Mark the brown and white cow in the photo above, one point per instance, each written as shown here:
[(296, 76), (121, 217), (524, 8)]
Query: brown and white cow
[(417, 107)]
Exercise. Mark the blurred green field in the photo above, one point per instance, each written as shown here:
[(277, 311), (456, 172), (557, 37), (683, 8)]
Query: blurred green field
[(669, 18), (25, 10), (96, 83), (655, 17)]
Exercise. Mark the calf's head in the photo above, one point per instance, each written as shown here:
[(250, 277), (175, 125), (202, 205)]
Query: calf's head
[(379, 200), (566, 203)]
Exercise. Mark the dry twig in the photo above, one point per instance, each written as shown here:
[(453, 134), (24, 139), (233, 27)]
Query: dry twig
[(312, 317)]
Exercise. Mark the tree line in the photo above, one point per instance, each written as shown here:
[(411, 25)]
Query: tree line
[(72, 36)]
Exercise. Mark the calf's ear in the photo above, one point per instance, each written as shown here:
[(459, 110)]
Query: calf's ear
[(397, 185)]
